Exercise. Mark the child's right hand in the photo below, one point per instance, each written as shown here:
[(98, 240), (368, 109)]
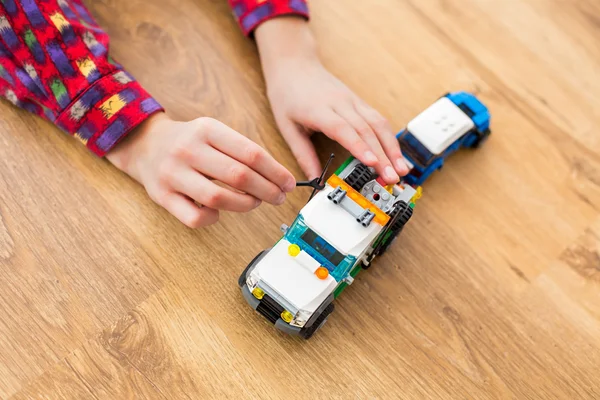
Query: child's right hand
[(181, 163)]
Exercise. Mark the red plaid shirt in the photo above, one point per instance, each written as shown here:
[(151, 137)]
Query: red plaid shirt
[(54, 63)]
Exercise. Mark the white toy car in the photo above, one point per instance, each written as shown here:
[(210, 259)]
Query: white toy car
[(338, 233)]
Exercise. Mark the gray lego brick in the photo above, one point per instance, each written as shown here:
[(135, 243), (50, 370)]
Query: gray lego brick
[(406, 194)]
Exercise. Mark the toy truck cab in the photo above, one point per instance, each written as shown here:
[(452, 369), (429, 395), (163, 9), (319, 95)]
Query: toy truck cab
[(455, 121)]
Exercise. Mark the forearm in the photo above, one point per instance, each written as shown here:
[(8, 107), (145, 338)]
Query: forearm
[(133, 148), (54, 62), (285, 40)]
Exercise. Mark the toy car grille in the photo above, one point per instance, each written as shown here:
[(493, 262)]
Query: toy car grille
[(269, 308)]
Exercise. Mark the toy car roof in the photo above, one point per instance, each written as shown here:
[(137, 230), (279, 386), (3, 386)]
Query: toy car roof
[(440, 125), (336, 225)]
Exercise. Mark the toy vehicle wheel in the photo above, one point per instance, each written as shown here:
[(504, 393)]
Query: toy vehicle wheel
[(406, 213), (388, 243), (482, 138), (243, 276), (319, 322), (359, 177)]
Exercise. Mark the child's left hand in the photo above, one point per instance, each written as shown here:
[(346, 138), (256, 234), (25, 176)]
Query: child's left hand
[(305, 98)]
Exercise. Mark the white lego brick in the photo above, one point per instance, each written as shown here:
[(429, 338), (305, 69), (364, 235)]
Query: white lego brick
[(404, 193), (307, 262), (440, 125)]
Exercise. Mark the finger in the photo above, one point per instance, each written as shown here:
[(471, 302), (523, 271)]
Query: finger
[(244, 150), (335, 127), (188, 212), (192, 184), (301, 147), (384, 166), (386, 136), (221, 167)]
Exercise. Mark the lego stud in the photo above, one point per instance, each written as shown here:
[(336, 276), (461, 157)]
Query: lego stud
[(337, 195), (258, 293), (293, 250), (287, 316), (367, 220), (366, 217), (322, 273)]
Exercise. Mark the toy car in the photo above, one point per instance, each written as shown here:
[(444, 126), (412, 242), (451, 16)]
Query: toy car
[(353, 218), (455, 121)]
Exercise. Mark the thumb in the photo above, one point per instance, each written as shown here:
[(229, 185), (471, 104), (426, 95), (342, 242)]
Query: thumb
[(301, 147)]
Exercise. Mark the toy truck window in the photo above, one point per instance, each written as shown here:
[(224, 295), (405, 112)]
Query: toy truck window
[(338, 264), (322, 247), (415, 150)]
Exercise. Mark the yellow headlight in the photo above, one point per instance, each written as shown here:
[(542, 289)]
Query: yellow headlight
[(258, 293), (287, 316), (293, 250)]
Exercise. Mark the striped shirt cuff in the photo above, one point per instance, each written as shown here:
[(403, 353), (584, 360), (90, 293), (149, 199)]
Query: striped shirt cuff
[(107, 111), (250, 17)]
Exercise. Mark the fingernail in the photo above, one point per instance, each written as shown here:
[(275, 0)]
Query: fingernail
[(402, 167), (257, 203), (370, 157), (390, 174), (281, 199), (289, 185)]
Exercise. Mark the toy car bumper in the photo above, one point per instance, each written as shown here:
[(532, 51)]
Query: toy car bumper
[(263, 307), (271, 310), (267, 307)]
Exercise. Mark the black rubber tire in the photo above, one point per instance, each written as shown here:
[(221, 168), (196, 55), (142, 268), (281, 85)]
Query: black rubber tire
[(242, 278), (387, 244), (360, 175), (308, 333), (407, 212), (404, 208), (481, 139)]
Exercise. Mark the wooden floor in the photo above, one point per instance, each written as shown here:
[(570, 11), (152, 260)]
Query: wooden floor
[(493, 290)]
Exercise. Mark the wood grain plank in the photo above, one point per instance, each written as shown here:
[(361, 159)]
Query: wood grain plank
[(70, 269), (495, 44), (58, 383), (91, 372)]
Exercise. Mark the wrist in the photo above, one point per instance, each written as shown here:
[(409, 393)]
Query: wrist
[(128, 153), (283, 40)]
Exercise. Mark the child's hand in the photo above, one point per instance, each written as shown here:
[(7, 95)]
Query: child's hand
[(177, 162), (306, 98)]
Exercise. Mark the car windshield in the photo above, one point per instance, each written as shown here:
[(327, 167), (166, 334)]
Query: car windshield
[(411, 146), (318, 248), (321, 246)]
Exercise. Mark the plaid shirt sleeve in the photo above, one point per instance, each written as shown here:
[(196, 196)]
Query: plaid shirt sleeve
[(251, 13), (54, 62)]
